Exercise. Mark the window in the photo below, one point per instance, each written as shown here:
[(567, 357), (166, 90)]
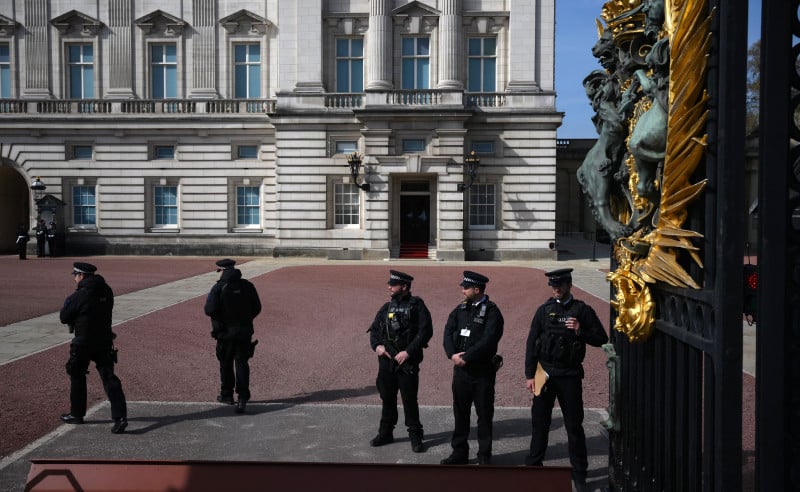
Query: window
[(247, 206), (247, 70), (482, 206), (5, 71), (81, 152), (415, 63), (163, 152), (346, 146), (80, 61), (350, 65), (413, 145), (165, 202), (164, 71), (247, 152), (482, 62), (483, 147), (346, 205), (84, 212)]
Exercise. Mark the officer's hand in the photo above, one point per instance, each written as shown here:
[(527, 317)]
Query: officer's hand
[(457, 360), (381, 351), (401, 357), (530, 384), (573, 324)]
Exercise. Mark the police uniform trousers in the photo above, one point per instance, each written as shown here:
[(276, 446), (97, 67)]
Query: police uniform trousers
[(475, 385), (233, 355), (391, 378), (569, 391), (80, 356)]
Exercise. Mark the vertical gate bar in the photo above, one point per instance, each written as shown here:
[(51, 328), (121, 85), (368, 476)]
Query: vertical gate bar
[(694, 422), (659, 436), (670, 429), (641, 384), (776, 446), (727, 314), (710, 418), (680, 415), (648, 402)]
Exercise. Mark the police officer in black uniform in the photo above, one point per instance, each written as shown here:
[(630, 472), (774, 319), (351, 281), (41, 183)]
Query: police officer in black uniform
[(232, 304), (22, 241), (471, 336), (559, 332), (41, 237), (401, 329), (88, 314)]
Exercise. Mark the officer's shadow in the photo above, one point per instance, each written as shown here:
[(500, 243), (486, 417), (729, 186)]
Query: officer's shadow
[(254, 407)]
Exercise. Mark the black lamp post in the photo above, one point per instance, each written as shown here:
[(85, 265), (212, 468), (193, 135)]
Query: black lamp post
[(354, 162), (471, 163), (38, 193)]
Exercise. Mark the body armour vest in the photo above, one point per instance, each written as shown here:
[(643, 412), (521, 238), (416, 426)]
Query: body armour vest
[(557, 344), (474, 328), (401, 328)]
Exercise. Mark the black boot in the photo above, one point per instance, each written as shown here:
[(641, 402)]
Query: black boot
[(241, 405), (455, 459), (384, 436), (416, 442)]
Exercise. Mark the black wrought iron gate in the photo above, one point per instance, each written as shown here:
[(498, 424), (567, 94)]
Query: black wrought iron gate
[(680, 392)]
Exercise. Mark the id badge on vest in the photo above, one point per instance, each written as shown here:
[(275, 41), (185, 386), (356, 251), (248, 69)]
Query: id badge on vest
[(465, 332)]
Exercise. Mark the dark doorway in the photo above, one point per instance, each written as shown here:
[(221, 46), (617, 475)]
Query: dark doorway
[(14, 207), (415, 225)]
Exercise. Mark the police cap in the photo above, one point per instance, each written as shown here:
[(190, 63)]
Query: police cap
[(81, 267), (225, 264), (560, 276), (396, 278), (472, 279)]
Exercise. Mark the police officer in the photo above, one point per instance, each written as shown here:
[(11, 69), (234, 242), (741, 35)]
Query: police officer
[(22, 241), (559, 332), (401, 329), (41, 237), (51, 238), (232, 304), (88, 314), (471, 336)]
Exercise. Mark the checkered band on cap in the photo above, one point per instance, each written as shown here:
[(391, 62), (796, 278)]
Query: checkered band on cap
[(396, 277), (473, 278)]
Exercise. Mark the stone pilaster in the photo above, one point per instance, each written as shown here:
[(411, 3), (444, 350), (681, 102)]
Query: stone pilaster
[(120, 70), (37, 59), (451, 47), (379, 46), (204, 59), (309, 47), (522, 47)]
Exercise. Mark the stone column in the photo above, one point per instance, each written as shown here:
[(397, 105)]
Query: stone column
[(37, 59), (204, 60), (522, 49), (379, 45), (120, 49), (451, 47)]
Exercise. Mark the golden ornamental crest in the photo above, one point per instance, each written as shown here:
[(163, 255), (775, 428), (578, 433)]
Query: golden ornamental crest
[(650, 104)]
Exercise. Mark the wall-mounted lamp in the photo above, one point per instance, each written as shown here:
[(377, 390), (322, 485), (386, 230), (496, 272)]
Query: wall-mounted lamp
[(354, 162), (471, 163), (38, 189)]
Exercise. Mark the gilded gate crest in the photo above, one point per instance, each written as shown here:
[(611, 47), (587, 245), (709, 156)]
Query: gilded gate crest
[(650, 104)]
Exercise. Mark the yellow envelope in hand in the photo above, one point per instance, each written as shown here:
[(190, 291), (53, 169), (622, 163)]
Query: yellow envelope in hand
[(539, 379)]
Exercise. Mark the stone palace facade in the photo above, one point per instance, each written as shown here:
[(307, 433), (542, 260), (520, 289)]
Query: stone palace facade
[(225, 127)]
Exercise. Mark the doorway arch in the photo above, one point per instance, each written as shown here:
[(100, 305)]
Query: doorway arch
[(15, 205)]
